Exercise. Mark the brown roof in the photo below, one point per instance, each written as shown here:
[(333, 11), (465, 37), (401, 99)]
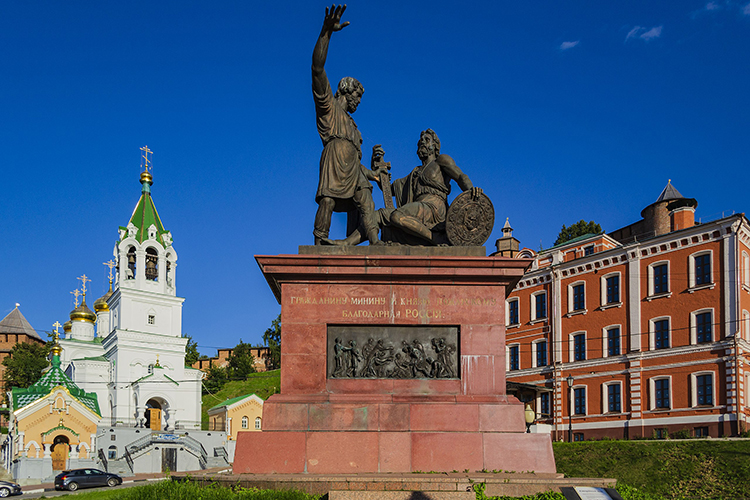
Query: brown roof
[(15, 323)]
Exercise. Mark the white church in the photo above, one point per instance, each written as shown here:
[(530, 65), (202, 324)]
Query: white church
[(130, 353)]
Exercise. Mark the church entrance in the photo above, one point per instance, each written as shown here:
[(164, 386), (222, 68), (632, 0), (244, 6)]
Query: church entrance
[(153, 415), (60, 449)]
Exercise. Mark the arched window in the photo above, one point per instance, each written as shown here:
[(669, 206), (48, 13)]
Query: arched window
[(244, 422), (152, 264), (130, 273), (112, 453), (257, 423)]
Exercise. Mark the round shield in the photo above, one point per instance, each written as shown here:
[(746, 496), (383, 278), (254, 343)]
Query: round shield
[(469, 222)]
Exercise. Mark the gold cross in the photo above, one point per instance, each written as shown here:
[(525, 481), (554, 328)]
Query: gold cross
[(111, 265), (75, 294), (57, 325), (84, 279), (146, 164)]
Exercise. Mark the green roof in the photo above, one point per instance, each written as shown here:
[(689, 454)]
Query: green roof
[(145, 215), (230, 402), (576, 239), (54, 378)]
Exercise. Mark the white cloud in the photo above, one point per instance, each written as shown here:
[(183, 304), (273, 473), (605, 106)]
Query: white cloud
[(712, 6), (643, 33), (568, 45), (746, 10)]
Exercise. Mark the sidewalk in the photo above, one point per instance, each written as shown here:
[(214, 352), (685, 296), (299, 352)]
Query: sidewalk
[(41, 488)]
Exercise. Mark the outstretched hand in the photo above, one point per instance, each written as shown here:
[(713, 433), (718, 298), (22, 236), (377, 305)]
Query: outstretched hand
[(332, 21)]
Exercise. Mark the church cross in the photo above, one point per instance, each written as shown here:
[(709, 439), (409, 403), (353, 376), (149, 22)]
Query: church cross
[(75, 294), (111, 265), (146, 161), (84, 279), (57, 333)]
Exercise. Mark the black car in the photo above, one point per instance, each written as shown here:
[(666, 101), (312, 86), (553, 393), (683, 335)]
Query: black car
[(71, 480), (7, 489)]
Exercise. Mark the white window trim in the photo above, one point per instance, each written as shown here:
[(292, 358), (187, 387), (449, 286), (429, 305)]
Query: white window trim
[(603, 288), (258, 423), (691, 270), (652, 393), (534, 345), (746, 323), (605, 397), (507, 311), (694, 388), (745, 270), (605, 340), (507, 356), (694, 325), (245, 423), (533, 306), (539, 414), (572, 345), (652, 332), (573, 400), (572, 311), (651, 294)]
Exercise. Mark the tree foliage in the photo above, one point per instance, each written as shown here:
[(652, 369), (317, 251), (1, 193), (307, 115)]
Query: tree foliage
[(24, 365), (578, 229), (272, 339), (191, 350), (241, 361), (216, 377)]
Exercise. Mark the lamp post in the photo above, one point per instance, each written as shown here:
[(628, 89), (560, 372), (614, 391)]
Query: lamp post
[(569, 379), (530, 416)]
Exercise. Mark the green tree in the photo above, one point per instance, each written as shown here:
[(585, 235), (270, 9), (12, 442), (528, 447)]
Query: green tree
[(272, 340), (216, 377), (24, 365), (191, 350), (578, 229), (241, 362)]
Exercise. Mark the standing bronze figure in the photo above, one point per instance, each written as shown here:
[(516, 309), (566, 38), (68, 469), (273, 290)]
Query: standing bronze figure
[(343, 184)]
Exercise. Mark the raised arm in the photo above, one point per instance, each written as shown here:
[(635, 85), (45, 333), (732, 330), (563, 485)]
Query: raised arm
[(331, 23), (451, 170)]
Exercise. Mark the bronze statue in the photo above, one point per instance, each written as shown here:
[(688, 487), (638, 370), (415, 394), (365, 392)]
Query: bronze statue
[(343, 184)]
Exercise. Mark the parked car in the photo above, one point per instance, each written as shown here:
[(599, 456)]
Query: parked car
[(71, 480), (7, 489)]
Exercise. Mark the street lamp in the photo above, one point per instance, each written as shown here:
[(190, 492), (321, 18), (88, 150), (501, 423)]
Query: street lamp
[(569, 379)]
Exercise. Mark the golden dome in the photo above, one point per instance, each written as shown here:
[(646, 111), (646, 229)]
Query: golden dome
[(67, 326), (100, 305), (82, 313)]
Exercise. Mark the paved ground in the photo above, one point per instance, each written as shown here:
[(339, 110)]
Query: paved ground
[(48, 489)]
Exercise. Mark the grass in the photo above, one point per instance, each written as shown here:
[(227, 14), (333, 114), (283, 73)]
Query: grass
[(262, 384), (705, 469)]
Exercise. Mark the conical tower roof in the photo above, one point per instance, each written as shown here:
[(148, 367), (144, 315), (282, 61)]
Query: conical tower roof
[(145, 213), (16, 323), (669, 193)]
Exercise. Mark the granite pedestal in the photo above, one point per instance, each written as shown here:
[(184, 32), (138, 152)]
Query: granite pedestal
[(322, 424)]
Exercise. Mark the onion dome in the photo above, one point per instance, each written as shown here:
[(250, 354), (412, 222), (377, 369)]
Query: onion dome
[(67, 326), (83, 313), (100, 305)]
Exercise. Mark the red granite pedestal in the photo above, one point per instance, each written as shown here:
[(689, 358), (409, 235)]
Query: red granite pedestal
[(319, 424)]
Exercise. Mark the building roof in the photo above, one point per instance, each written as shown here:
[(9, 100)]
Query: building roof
[(575, 240), (230, 402), (669, 193), (145, 215), (15, 323), (54, 378)]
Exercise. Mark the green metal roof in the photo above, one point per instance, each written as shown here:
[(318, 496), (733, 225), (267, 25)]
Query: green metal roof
[(230, 402), (54, 378), (145, 214), (576, 239)]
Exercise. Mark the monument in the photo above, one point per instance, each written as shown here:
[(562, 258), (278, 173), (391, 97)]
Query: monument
[(393, 354)]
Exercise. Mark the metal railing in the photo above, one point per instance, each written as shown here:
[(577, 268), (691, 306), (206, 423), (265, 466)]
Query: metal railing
[(129, 459), (103, 459)]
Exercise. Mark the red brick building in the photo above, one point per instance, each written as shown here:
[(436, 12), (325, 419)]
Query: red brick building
[(260, 354), (651, 321)]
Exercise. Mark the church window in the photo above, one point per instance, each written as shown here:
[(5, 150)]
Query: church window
[(113, 437), (257, 423), (130, 273), (152, 261), (244, 422), (151, 319), (151, 368), (112, 453)]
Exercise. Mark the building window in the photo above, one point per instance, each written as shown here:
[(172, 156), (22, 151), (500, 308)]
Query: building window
[(513, 357), (661, 433), (245, 421), (745, 269), (112, 453), (544, 404), (151, 319), (579, 297), (613, 342), (702, 266), (579, 347), (113, 437), (660, 279), (701, 432), (578, 436), (613, 289), (257, 423), (589, 250), (661, 334), (703, 323), (540, 305), (513, 312), (579, 401), (704, 388), (613, 398), (661, 394), (746, 323), (541, 353)]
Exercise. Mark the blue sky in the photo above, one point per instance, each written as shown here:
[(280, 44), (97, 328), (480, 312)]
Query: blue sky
[(560, 111)]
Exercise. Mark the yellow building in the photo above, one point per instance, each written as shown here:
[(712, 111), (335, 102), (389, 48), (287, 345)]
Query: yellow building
[(53, 426), (243, 413)]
